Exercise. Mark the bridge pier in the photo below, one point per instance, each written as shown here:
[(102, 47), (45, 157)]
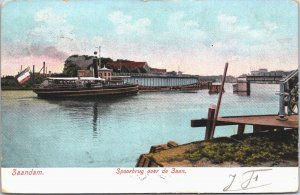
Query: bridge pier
[(242, 86)]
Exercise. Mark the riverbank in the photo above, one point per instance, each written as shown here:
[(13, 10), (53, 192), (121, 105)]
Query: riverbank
[(16, 89), (264, 149)]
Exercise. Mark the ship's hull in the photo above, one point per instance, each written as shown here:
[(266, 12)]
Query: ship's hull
[(106, 91)]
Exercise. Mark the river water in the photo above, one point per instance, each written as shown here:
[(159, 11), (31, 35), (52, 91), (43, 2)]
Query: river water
[(113, 132)]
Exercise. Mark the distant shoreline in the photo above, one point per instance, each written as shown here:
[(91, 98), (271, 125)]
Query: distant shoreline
[(15, 89)]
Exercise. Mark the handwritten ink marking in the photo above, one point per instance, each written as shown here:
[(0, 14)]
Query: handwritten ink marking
[(248, 180), (228, 187), (143, 177)]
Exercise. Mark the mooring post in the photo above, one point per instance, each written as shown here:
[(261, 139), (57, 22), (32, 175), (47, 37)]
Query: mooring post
[(241, 129), (219, 101), (248, 88), (210, 119)]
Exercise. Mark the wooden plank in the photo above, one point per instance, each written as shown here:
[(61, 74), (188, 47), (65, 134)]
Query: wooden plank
[(202, 123), (260, 115), (266, 120)]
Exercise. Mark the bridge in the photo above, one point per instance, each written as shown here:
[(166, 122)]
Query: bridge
[(267, 77), (156, 80)]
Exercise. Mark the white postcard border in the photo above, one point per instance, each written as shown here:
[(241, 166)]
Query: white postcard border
[(140, 180)]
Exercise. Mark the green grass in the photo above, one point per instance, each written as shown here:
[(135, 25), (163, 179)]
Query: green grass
[(249, 150)]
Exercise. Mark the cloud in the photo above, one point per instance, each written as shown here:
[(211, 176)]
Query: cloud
[(178, 23), (52, 29), (230, 28), (22, 49), (234, 38), (180, 33), (124, 24), (51, 40), (270, 26), (49, 51), (198, 44), (52, 37), (226, 20)]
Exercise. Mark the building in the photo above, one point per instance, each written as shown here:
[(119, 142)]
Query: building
[(158, 71), (85, 73), (263, 70), (258, 72), (104, 73), (127, 66)]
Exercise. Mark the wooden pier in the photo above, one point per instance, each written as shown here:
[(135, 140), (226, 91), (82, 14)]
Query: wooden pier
[(174, 155), (258, 122)]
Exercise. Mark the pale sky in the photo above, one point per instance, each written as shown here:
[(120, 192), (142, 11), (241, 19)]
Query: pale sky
[(198, 36)]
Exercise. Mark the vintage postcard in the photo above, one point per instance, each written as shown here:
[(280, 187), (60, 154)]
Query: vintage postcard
[(149, 96)]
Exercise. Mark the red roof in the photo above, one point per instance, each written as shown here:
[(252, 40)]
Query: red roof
[(127, 64), (158, 70)]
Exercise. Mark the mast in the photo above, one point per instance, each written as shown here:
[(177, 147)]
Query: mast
[(99, 48)]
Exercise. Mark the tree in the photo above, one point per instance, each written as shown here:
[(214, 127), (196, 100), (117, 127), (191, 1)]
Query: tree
[(71, 70), (71, 67)]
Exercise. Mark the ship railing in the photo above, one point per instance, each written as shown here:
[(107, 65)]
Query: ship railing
[(61, 86)]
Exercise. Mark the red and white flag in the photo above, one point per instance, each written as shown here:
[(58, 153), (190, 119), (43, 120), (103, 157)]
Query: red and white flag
[(24, 76)]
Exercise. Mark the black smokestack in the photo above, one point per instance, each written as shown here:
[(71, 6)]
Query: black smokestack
[(95, 65)]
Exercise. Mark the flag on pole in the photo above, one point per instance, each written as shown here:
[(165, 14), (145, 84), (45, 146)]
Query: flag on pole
[(24, 76)]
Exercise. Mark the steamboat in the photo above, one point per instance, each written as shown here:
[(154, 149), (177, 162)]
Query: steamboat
[(85, 87)]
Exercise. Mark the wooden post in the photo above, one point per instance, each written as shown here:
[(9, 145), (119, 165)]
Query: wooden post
[(248, 88), (241, 129), (210, 119), (219, 100)]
